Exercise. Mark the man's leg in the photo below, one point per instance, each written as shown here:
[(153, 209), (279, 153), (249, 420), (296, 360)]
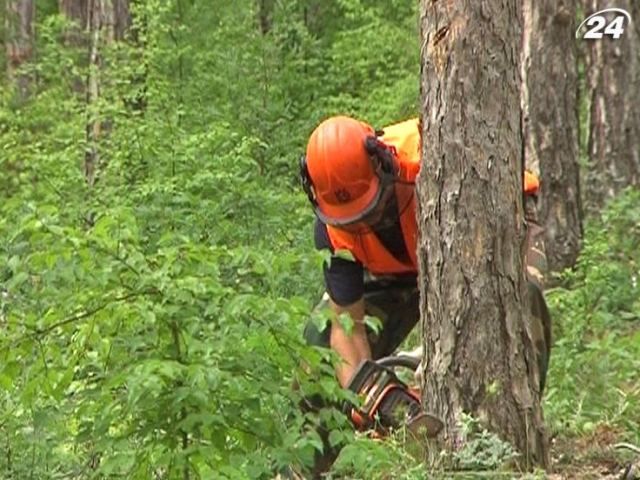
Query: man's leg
[(540, 321), (398, 309), (536, 264)]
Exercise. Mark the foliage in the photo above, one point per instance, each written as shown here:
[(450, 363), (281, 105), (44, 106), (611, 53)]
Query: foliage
[(152, 322), (366, 458), (482, 450), (596, 355), (481, 455)]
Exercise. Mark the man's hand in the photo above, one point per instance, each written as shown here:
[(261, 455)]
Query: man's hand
[(387, 403), (352, 347)]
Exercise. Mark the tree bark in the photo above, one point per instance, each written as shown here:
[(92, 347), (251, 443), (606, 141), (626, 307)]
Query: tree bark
[(116, 18), (97, 23), (121, 19), (93, 126), (19, 41), (550, 105), (265, 13), (479, 354), (613, 83), (76, 11)]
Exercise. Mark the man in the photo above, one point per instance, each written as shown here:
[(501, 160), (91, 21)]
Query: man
[(361, 184)]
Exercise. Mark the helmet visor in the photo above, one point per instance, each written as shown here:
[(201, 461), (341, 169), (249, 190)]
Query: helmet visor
[(364, 209), (391, 206)]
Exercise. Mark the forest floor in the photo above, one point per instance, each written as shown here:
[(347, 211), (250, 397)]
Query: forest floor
[(592, 457), (589, 452)]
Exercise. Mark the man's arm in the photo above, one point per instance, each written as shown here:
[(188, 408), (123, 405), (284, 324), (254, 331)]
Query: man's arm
[(344, 284), (352, 347)]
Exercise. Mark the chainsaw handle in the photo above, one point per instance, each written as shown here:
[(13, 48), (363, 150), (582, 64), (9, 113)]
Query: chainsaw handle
[(405, 361)]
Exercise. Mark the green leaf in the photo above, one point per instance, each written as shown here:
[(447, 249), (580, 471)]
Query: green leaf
[(374, 323), (346, 322), (17, 280)]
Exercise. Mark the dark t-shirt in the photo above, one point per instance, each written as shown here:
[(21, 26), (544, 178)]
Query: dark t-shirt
[(344, 279)]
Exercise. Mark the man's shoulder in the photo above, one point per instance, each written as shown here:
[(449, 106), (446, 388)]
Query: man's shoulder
[(405, 126), (405, 138)]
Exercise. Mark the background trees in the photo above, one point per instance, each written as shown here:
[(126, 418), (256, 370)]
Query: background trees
[(159, 339), (550, 109), (19, 41), (613, 77)]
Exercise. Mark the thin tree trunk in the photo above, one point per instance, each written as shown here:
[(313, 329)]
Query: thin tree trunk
[(19, 41), (313, 16), (93, 124), (76, 35), (76, 11), (137, 36), (121, 19), (550, 105), (613, 83), (265, 13), (116, 15), (97, 23), (479, 354)]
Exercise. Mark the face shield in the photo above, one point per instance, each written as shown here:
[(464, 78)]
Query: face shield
[(394, 198)]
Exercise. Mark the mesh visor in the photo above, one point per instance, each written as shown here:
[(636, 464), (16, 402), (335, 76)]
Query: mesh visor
[(363, 211), (374, 212)]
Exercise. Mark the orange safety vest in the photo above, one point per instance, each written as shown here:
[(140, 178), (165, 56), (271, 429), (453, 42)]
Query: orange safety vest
[(366, 247)]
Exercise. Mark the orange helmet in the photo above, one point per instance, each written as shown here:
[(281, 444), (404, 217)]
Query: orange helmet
[(345, 170)]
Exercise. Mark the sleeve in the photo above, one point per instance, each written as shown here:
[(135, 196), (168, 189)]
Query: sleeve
[(344, 279)]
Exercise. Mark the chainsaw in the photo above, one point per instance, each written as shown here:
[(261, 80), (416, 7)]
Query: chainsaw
[(386, 403)]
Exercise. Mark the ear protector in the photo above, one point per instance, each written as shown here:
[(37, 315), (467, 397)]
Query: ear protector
[(382, 157), (305, 181)]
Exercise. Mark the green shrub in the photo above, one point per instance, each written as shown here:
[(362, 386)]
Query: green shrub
[(596, 356)]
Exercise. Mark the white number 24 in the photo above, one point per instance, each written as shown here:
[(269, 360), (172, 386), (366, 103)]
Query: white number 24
[(597, 22), (615, 28)]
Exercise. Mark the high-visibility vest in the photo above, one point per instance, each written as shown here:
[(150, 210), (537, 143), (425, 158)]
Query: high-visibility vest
[(404, 137), (366, 247)]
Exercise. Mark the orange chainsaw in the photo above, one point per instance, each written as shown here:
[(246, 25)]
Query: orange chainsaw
[(386, 402)]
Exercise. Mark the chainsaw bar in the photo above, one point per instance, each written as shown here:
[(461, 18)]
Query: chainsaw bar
[(425, 424)]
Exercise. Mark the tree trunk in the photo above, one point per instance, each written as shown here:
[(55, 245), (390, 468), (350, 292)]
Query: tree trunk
[(550, 105), (265, 13), (76, 35), (76, 12), (116, 18), (97, 23), (137, 36), (479, 354), (19, 40), (121, 19), (93, 125), (314, 18), (613, 83)]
